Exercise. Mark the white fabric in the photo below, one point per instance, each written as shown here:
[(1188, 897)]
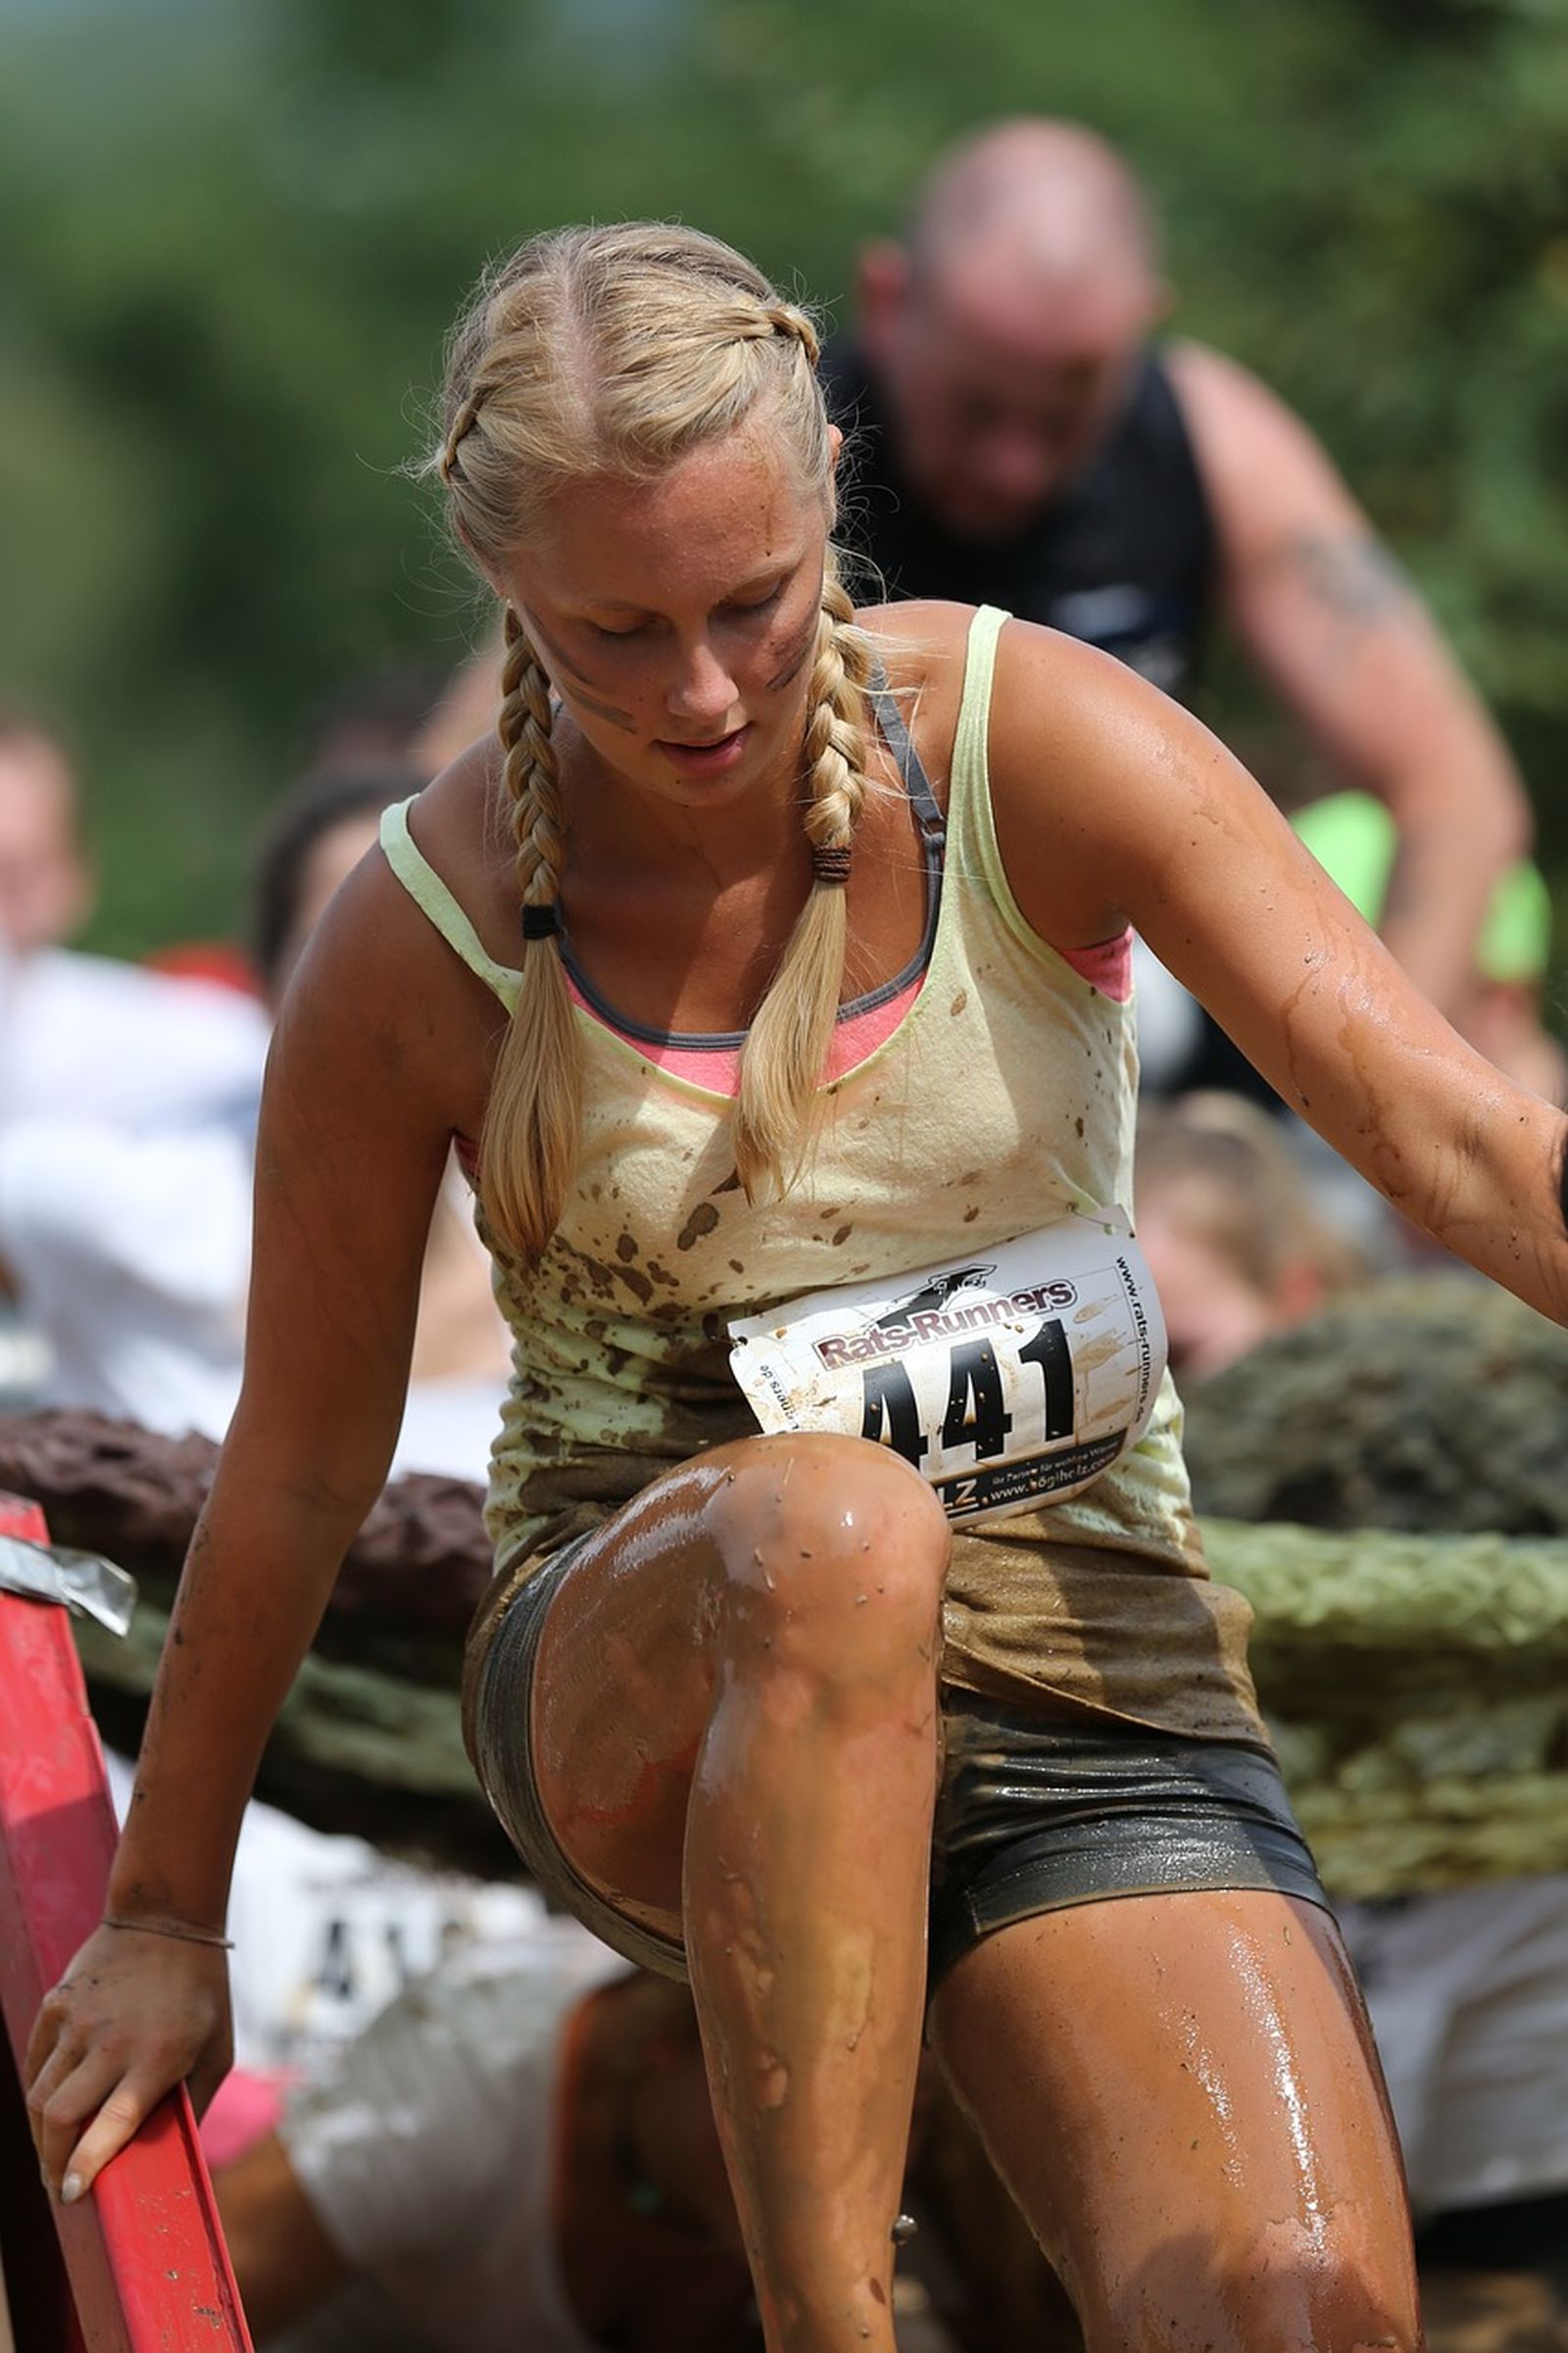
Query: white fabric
[(428, 2158), (87, 1036), (131, 1253), (130, 1249), (1468, 1990)]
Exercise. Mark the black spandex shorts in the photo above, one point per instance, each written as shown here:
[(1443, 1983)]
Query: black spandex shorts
[(1035, 1809)]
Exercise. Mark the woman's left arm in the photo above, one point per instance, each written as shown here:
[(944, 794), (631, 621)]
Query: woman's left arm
[(1115, 805)]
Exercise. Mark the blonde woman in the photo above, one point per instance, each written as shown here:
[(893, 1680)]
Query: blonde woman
[(778, 952)]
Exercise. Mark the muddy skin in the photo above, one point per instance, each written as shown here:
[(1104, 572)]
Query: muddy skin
[(1131, 2065), (795, 656), (582, 686), (735, 1717)]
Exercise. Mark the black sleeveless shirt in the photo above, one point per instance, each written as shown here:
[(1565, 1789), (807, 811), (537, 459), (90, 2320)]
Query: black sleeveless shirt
[(1123, 556)]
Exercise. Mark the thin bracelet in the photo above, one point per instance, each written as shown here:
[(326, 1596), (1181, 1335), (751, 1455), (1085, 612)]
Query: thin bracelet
[(165, 1928)]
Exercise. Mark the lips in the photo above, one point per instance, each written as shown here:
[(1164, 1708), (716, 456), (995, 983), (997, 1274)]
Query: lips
[(708, 757)]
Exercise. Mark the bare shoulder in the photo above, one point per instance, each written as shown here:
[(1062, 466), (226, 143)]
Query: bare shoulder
[(1067, 724), (458, 827), (1061, 712), (382, 999), (1267, 474), (1080, 753), (924, 647), (1218, 396)]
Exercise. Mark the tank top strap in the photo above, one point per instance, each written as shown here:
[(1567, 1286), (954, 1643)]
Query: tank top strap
[(436, 902), (896, 735), (970, 819)]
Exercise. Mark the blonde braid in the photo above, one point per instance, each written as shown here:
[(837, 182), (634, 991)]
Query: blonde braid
[(787, 1046), (529, 1147), (467, 417)]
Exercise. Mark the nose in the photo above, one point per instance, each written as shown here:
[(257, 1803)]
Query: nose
[(702, 695)]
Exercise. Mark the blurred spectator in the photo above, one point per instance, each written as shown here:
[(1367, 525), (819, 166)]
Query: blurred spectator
[(86, 1034), (1018, 437), (129, 1248), (1236, 1245), (518, 2152)]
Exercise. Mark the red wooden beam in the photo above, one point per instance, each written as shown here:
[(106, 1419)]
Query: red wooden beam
[(140, 2265)]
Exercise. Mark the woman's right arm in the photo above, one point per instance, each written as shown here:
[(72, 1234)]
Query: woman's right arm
[(374, 1064)]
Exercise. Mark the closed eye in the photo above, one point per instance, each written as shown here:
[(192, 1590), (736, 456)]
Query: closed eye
[(759, 603)]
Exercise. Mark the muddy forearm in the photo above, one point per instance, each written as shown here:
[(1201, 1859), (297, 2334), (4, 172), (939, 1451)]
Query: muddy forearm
[(1508, 1214)]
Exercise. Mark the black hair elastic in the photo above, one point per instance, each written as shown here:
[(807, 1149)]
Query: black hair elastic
[(541, 922)]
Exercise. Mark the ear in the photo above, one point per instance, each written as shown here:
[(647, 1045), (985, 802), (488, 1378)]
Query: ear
[(882, 287)]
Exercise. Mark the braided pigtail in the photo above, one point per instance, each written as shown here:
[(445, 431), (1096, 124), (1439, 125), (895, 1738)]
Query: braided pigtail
[(787, 1046), (528, 1148), (612, 352)]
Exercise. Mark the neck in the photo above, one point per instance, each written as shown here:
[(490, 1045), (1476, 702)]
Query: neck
[(617, 830)]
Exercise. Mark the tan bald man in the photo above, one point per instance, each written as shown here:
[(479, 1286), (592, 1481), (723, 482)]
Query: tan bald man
[(1020, 439)]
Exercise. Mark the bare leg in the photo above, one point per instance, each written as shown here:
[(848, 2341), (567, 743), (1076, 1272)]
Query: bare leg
[(1181, 2094), (283, 2261), (735, 1715)]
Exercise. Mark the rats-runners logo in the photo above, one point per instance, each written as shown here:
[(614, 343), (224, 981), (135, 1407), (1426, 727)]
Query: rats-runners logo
[(930, 1314)]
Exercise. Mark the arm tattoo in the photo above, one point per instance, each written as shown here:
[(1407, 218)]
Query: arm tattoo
[(1359, 580)]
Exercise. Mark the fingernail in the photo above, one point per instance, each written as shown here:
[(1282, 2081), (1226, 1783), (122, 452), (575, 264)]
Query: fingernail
[(71, 2189)]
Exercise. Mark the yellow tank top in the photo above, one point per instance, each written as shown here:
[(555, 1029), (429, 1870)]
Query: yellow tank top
[(1004, 1099)]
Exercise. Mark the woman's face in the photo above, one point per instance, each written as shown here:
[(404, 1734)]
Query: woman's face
[(678, 618)]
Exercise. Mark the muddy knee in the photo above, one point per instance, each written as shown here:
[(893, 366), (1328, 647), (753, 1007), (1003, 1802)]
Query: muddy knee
[(833, 1555)]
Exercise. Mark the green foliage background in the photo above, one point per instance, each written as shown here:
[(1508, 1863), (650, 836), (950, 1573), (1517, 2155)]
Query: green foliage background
[(236, 231)]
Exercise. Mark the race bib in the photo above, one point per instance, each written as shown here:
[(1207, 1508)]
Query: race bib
[(1009, 1381)]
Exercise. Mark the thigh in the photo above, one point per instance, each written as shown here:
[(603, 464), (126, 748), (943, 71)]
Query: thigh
[(1181, 2093), (751, 1558)]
